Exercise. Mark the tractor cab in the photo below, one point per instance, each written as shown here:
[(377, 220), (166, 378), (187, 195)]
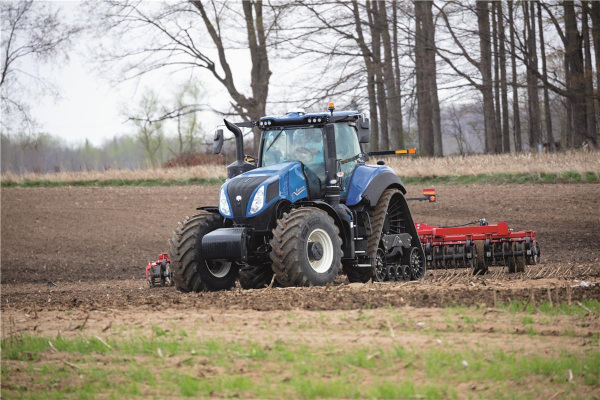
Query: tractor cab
[(307, 143)]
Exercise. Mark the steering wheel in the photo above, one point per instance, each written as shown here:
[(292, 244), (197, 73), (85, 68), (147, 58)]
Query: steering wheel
[(304, 155)]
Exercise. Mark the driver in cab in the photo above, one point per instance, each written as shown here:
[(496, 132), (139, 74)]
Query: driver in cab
[(308, 146)]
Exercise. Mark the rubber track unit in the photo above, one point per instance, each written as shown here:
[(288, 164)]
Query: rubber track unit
[(255, 276), (377, 217), (182, 251), (284, 249)]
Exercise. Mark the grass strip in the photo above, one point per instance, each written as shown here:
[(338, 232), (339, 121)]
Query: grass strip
[(495, 178), (192, 367)]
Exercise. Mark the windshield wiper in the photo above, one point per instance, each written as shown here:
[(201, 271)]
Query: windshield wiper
[(274, 140)]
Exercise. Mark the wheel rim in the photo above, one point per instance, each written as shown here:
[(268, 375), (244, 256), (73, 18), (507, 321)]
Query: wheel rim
[(324, 263), (218, 269)]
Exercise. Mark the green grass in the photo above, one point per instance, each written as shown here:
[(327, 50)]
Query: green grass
[(492, 178), (193, 368), (499, 178)]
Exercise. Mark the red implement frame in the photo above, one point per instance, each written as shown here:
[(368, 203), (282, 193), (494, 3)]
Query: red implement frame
[(495, 233)]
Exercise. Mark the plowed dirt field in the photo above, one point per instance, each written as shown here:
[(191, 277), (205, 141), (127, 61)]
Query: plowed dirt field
[(72, 266)]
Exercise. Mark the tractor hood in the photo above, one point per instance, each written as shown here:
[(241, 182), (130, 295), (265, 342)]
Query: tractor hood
[(251, 193)]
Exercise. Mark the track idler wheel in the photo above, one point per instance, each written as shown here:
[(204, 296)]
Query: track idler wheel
[(415, 259), (380, 267)]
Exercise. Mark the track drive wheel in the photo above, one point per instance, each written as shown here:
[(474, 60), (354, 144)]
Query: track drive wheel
[(481, 266), (306, 248), (191, 272), (255, 276)]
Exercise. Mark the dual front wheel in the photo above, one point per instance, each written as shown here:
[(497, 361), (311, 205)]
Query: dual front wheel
[(306, 250)]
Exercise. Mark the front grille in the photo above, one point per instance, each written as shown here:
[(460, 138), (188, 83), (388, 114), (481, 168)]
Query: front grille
[(242, 186)]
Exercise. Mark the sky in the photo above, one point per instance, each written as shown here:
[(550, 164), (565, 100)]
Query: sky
[(90, 106)]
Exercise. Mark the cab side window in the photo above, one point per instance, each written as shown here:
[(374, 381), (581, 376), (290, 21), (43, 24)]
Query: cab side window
[(347, 146)]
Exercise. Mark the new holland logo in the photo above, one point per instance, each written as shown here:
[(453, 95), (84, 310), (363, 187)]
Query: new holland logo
[(238, 198), (300, 190)]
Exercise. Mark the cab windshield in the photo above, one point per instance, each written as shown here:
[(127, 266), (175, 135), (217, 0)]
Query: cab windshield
[(306, 144), (303, 144)]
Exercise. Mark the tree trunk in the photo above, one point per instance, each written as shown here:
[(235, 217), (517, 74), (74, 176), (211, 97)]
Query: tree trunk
[(516, 110), (574, 56), (381, 95), (483, 22), (497, 119), (395, 46), (431, 75), (589, 75), (595, 14), (424, 110), (503, 84), (532, 89), (260, 73), (547, 113), (366, 53), (396, 136), (567, 134)]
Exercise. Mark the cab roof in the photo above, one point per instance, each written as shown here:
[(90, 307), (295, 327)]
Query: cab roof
[(301, 118)]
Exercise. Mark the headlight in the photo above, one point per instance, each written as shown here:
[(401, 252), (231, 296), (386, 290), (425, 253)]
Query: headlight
[(223, 205), (259, 200)]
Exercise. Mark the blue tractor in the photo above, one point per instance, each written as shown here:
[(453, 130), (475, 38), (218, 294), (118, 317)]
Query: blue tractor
[(307, 209)]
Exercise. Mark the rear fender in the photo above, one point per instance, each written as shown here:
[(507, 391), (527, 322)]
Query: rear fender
[(368, 183)]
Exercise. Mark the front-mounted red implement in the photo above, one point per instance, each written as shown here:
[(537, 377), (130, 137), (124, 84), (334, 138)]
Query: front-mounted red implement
[(159, 271), (476, 246)]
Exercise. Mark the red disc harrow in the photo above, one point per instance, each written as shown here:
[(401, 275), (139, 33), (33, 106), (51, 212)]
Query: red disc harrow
[(477, 247)]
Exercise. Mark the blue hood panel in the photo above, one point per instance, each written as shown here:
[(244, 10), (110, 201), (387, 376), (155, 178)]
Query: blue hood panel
[(362, 176), (292, 184)]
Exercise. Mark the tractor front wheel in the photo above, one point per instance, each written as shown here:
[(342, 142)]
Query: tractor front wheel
[(306, 248), (191, 272)]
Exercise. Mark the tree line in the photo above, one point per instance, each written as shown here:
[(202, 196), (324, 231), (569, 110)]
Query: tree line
[(448, 76)]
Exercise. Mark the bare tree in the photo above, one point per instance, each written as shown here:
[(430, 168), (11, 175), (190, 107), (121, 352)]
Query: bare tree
[(515, 88), (574, 57), (547, 113), (149, 127), (485, 66), (503, 78), (29, 31), (424, 110), (182, 35), (588, 72)]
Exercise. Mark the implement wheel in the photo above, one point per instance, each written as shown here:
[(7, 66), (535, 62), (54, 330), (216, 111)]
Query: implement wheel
[(191, 272), (519, 260), (306, 248), (255, 276), (481, 266)]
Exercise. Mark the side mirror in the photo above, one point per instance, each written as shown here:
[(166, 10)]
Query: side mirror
[(218, 141), (363, 129)]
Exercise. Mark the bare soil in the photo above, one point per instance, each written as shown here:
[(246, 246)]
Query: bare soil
[(70, 247), (72, 265)]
